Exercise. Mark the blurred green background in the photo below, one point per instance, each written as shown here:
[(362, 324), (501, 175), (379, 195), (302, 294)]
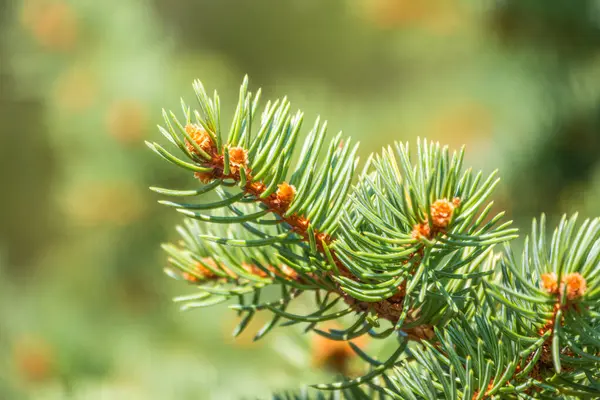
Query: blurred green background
[(85, 310)]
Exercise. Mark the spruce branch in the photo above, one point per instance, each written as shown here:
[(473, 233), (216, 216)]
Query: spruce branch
[(535, 336), (552, 297), (408, 243)]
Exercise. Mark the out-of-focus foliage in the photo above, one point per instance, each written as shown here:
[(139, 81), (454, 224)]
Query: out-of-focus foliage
[(83, 305)]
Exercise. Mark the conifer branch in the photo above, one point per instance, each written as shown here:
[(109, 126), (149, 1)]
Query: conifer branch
[(404, 249)]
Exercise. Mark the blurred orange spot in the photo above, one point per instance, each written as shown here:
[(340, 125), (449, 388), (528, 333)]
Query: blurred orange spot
[(75, 90), (94, 204), (333, 354), (33, 359), (462, 124), (126, 120), (436, 16), (391, 13), (53, 23)]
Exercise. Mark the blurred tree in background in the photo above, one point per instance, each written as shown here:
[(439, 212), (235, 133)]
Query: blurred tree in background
[(84, 308)]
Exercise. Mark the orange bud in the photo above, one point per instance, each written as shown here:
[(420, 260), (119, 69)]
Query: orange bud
[(254, 270), (205, 272), (421, 231), (238, 156), (441, 212), (190, 278), (574, 284), (204, 177), (287, 272), (200, 137), (285, 193), (549, 282)]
